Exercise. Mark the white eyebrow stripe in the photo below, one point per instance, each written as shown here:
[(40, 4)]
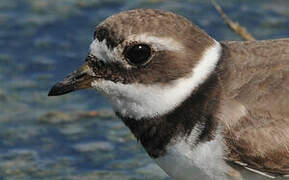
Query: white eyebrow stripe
[(159, 43)]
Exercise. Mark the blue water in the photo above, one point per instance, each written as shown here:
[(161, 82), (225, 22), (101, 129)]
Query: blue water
[(42, 41)]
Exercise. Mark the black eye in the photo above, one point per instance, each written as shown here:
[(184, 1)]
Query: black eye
[(137, 54)]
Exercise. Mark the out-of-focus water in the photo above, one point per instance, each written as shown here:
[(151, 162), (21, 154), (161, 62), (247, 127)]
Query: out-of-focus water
[(42, 41)]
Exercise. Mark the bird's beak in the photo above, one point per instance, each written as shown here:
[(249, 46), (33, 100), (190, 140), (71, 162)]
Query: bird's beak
[(79, 79)]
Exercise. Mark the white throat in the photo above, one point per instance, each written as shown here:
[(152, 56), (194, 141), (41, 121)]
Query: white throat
[(140, 101)]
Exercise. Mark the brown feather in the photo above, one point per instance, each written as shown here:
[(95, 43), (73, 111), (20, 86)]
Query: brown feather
[(254, 108)]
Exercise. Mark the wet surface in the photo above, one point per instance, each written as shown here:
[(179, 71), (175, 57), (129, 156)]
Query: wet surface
[(77, 136)]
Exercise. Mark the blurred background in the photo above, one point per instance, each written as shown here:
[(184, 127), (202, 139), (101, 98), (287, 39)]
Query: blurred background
[(76, 136)]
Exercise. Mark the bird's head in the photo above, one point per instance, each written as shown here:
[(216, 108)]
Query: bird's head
[(145, 61)]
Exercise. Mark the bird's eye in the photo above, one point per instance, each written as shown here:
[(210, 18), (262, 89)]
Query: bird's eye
[(138, 54)]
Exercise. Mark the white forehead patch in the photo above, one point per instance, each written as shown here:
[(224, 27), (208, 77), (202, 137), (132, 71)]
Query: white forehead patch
[(140, 101), (101, 51)]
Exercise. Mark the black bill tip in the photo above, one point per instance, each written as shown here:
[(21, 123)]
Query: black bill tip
[(60, 89), (78, 79)]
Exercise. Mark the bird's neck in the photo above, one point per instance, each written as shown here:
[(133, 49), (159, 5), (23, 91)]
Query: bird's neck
[(197, 110)]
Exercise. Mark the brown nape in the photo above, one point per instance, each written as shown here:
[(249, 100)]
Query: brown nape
[(165, 66), (200, 108)]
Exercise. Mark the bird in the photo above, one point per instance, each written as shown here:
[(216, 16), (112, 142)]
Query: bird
[(201, 108)]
